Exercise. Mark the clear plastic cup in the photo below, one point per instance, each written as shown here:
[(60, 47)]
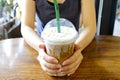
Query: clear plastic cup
[(59, 45)]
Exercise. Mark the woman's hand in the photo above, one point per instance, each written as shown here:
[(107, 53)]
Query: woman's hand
[(49, 64), (70, 65)]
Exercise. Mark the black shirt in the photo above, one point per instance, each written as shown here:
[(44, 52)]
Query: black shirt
[(70, 10)]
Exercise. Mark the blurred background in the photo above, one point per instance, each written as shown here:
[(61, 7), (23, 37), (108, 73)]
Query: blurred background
[(117, 20), (10, 9), (10, 18)]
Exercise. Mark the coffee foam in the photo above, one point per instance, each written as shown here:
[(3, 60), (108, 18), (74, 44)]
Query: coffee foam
[(66, 36)]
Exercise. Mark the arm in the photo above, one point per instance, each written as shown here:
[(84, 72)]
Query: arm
[(49, 64), (89, 21), (85, 37), (27, 28)]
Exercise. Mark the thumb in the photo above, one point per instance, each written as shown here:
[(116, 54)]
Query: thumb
[(42, 46)]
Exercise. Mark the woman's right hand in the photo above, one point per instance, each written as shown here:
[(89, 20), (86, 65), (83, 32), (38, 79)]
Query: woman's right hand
[(48, 63)]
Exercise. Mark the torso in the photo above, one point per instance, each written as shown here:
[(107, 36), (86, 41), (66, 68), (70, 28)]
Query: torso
[(69, 9)]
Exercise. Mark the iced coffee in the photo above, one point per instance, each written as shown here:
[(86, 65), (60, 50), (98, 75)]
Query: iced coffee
[(60, 45)]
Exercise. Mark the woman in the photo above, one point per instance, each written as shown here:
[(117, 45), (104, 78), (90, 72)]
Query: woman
[(44, 12)]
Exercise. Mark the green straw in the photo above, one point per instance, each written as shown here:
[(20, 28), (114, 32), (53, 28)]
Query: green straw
[(57, 15)]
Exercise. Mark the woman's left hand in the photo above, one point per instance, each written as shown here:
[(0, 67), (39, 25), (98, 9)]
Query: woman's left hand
[(70, 65)]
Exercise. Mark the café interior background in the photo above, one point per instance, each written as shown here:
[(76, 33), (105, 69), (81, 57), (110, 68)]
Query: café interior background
[(12, 9), (117, 21)]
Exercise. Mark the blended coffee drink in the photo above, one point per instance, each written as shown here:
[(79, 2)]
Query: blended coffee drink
[(60, 45)]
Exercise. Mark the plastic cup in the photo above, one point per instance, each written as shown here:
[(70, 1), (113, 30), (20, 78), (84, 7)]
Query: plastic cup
[(59, 45)]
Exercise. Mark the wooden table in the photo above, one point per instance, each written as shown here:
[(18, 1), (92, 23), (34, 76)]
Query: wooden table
[(101, 61)]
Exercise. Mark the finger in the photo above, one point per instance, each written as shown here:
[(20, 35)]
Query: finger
[(71, 73), (49, 71), (42, 46), (46, 69), (49, 65), (72, 67), (47, 58)]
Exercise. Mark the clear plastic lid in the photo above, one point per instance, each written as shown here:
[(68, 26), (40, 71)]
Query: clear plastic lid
[(67, 35)]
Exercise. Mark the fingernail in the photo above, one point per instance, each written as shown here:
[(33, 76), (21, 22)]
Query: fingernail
[(63, 64), (68, 74), (55, 75)]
